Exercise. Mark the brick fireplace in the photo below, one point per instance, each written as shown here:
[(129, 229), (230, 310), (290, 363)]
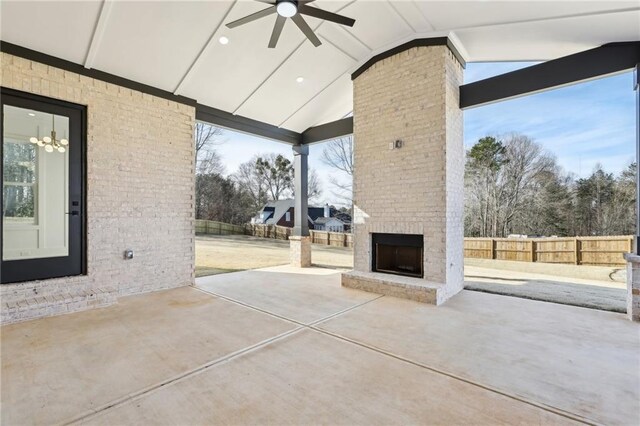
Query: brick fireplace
[(408, 180)]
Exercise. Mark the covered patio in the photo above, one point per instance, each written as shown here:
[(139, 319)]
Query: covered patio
[(287, 346), (99, 104)]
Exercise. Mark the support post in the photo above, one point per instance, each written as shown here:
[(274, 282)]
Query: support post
[(633, 260), (301, 189), (532, 251), (636, 87), (300, 242)]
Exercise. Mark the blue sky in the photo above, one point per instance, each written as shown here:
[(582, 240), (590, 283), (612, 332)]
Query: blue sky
[(582, 125)]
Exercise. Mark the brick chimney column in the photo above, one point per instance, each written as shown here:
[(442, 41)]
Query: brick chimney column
[(409, 169)]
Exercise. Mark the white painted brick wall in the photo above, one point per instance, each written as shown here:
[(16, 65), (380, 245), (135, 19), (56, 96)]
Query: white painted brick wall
[(140, 194), (417, 189), (633, 287)]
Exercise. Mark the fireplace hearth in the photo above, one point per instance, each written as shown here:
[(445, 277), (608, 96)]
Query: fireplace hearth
[(398, 254)]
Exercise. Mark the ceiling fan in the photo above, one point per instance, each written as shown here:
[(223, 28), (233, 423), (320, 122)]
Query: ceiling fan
[(293, 9)]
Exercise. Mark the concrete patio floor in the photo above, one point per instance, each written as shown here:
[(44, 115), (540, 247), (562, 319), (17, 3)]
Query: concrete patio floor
[(288, 346)]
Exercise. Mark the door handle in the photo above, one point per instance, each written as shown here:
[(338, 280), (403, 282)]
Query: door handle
[(73, 213)]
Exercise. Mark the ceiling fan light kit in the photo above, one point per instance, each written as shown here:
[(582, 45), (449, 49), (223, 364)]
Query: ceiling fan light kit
[(293, 9), (287, 8)]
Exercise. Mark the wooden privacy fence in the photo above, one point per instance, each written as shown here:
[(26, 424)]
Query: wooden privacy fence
[(218, 228), (336, 239), (600, 251), (270, 231)]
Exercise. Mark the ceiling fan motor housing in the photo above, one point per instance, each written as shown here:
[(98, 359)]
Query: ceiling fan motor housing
[(287, 8)]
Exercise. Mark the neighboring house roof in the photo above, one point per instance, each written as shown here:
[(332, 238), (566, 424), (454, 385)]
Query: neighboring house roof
[(277, 210), (325, 220), (315, 213), (344, 217), (280, 207)]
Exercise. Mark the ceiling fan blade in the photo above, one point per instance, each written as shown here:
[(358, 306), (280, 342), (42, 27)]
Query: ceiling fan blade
[(304, 27), (277, 30), (249, 18), (327, 16)]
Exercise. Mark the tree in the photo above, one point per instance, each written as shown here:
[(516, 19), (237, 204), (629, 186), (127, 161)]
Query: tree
[(605, 205), (484, 161), (207, 158), (551, 208), (314, 187), (338, 154), (270, 177), (502, 179), (206, 136), (625, 200), (522, 177), (220, 199), (248, 179), (513, 186), (276, 172), (217, 198)]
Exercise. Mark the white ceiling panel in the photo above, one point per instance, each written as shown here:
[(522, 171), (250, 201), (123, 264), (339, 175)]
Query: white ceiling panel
[(548, 39), (61, 29), (173, 44), (159, 46), (452, 15), (335, 102), (282, 95), (376, 23), (412, 14), (336, 36), (228, 74)]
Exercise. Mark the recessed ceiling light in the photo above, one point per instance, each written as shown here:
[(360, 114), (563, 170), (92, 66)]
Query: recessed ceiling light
[(300, 79), (31, 114), (223, 40)]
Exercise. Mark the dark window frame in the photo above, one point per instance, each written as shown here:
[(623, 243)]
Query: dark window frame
[(75, 264)]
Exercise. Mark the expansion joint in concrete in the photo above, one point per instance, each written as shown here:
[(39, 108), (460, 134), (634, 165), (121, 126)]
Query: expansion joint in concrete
[(313, 326)]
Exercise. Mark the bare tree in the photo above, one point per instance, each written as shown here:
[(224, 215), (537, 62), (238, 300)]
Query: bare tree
[(206, 136), (209, 162), (207, 159), (314, 187), (338, 154), (248, 179), (520, 178), (503, 177)]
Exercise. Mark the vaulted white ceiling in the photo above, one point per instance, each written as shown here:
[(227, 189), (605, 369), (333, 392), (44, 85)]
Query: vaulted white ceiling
[(174, 45)]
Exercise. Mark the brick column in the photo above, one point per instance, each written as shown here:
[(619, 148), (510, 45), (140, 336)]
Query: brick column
[(633, 286), (414, 186)]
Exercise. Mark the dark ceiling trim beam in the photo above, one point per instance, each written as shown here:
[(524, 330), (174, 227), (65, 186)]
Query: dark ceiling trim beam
[(324, 132), (418, 42), (242, 124), (52, 61), (608, 59)]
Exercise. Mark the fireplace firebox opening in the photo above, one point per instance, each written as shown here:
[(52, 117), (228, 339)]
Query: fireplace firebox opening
[(399, 254)]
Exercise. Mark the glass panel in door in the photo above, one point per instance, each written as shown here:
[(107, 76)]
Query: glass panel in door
[(35, 184)]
